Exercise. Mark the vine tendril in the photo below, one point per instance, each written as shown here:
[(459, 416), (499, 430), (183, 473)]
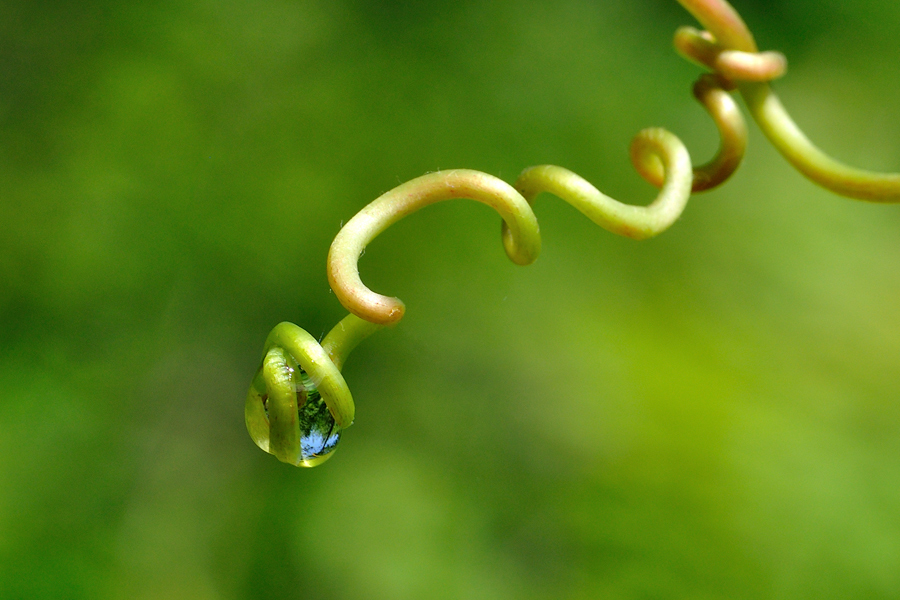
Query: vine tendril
[(724, 48), (712, 92), (299, 402), (521, 237)]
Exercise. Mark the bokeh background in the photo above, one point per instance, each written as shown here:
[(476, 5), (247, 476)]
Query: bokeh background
[(714, 413)]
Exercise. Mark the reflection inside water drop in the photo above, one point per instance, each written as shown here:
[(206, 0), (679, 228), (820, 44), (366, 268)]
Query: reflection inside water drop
[(316, 434), (319, 434)]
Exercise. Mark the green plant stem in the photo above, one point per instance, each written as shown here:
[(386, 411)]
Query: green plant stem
[(712, 92), (720, 19), (727, 47), (323, 372), (777, 125), (637, 222), (522, 242), (731, 33), (521, 234), (345, 336), (283, 436)]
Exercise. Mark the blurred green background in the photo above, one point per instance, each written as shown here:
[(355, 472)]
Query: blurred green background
[(714, 413)]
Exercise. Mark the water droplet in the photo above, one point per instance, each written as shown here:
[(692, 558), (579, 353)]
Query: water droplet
[(315, 434)]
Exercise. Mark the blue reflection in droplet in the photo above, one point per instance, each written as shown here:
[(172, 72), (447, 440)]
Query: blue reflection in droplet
[(319, 434)]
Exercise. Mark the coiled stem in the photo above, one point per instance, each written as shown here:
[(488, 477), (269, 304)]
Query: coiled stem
[(728, 48), (521, 235), (521, 239), (299, 403), (712, 91)]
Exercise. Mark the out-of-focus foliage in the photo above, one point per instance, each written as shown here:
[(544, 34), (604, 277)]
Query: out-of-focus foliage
[(714, 413)]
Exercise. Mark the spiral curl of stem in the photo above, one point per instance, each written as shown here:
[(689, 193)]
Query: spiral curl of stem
[(278, 391), (295, 368), (520, 233), (728, 48)]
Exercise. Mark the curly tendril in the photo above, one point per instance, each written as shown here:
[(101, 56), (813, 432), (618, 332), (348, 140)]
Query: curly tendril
[(521, 238), (728, 48), (298, 403), (734, 65), (712, 91), (521, 235)]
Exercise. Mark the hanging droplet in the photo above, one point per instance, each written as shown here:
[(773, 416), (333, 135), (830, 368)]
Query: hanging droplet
[(285, 414)]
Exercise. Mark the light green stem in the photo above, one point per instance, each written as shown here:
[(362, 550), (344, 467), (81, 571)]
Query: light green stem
[(313, 359), (721, 20), (521, 234), (731, 33), (522, 243), (638, 222), (345, 336), (783, 133), (279, 389)]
